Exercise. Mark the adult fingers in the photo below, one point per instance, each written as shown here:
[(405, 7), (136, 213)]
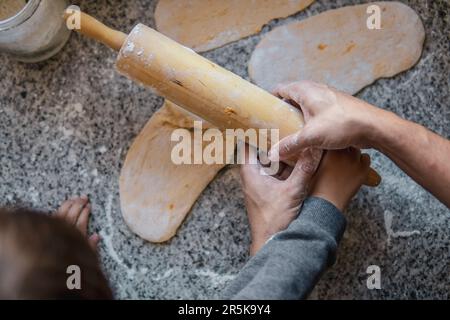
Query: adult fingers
[(305, 168), (293, 94), (248, 169), (303, 93), (285, 171), (293, 145), (252, 174), (295, 91)]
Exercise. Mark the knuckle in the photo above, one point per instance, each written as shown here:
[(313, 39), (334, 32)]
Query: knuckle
[(286, 147), (308, 167)]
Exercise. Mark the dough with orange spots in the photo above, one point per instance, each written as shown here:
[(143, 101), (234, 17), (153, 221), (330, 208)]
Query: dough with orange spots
[(207, 24), (337, 48)]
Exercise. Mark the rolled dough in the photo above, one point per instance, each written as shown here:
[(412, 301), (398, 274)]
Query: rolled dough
[(208, 24), (155, 194), (338, 49)]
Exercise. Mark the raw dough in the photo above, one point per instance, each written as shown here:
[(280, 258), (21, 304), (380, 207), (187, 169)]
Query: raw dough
[(207, 24), (337, 48), (155, 194), (8, 8)]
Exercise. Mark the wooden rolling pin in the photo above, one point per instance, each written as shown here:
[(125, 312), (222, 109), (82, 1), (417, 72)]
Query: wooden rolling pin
[(195, 83)]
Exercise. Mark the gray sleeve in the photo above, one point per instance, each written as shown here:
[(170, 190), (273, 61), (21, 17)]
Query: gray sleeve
[(291, 263)]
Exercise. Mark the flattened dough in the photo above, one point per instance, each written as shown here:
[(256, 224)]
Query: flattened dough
[(337, 48), (155, 194), (208, 24)]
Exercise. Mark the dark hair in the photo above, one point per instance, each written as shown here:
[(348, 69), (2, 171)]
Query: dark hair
[(35, 252)]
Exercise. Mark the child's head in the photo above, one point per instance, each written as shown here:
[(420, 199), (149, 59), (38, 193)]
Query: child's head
[(35, 252)]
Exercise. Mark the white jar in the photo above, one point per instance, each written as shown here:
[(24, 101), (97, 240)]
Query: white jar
[(35, 33)]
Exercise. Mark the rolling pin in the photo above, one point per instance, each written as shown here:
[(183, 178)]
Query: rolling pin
[(196, 84)]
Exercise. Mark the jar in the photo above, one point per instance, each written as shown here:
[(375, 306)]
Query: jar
[(36, 32)]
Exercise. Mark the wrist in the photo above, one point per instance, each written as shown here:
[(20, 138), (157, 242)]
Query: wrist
[(256, 245), (339, 202), (381, 131), (259, 238), (375, 124)]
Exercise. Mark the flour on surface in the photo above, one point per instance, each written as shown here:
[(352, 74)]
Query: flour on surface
[(388, 218)]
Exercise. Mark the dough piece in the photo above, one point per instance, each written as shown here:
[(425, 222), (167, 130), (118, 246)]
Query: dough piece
[(156, 195), (8, 8), (208, 24), (338, 49)]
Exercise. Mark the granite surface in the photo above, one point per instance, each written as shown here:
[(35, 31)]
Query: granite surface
[(66, 126)]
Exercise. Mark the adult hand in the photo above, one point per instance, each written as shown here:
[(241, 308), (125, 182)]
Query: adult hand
[(334, 120), (273, 202)]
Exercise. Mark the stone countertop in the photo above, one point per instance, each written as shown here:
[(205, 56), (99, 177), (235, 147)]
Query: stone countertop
[(66, 125)]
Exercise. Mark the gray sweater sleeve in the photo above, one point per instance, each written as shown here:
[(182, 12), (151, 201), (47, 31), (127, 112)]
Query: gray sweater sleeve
[(291, 263)]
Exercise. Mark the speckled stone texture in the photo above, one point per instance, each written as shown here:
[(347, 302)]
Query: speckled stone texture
[(66, 126)]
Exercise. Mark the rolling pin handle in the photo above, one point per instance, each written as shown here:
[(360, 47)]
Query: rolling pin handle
[(96, 30)]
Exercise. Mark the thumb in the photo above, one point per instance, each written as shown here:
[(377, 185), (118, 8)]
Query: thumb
[(293, 145), (250, 172), (305, 168)]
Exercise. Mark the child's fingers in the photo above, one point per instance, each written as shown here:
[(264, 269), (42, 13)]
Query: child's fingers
[(354, 153), (365, 161), (83, 219), (93, 241), (75, 209), (64, 208)]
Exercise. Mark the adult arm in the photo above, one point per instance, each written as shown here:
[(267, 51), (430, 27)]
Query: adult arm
[(335, 120), (422, 154)]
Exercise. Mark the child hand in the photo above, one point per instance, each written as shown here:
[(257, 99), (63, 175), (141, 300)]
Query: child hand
[(76, 212), (340, 176), (273, 202)]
